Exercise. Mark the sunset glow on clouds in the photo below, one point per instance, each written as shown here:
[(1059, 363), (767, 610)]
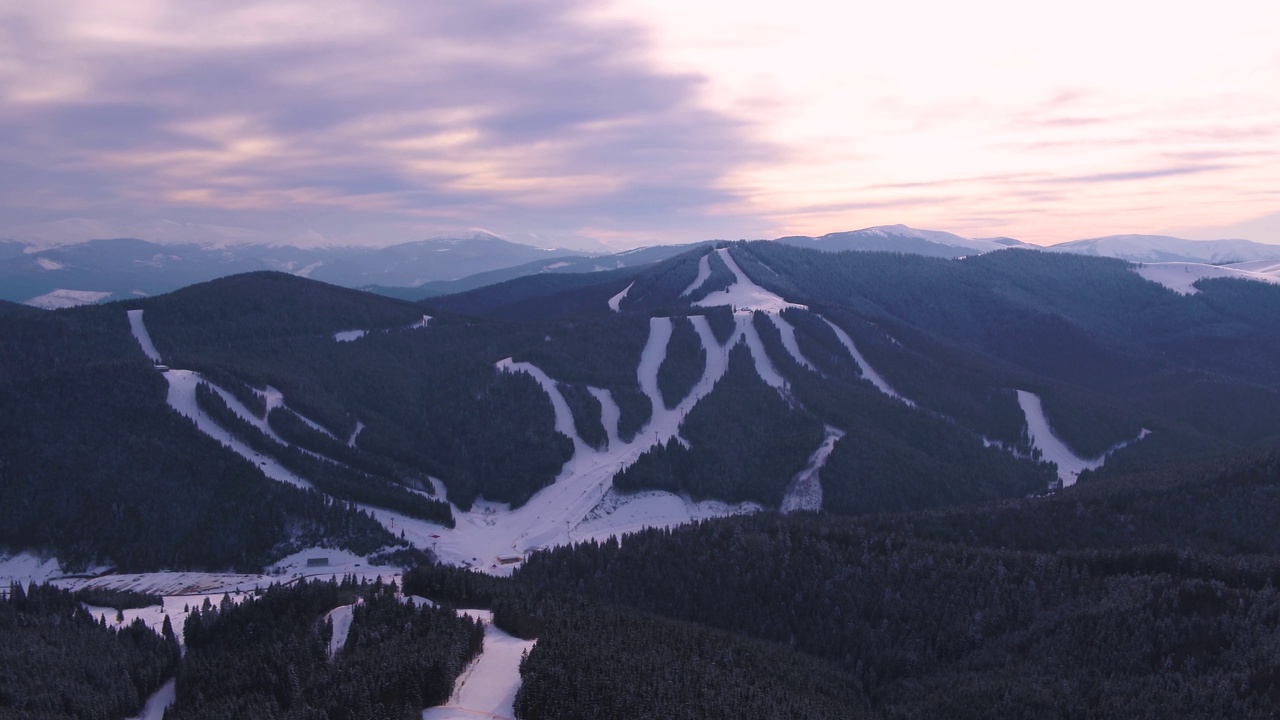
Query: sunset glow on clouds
[(644, 121)]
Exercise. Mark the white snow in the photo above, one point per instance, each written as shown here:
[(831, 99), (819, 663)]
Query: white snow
[(804, 492), (704, 272), (487, 688), (159, 701), (556, 265), (142, 336), (341, 617), (1053, 449), (1181, 276), (764, 366), (744, 295), (306, 271), (789, 340), (47, 264), (63, 298), (867, 371), (615, 302), (351, 441), (421, 323), (27, 568), (349, 335)]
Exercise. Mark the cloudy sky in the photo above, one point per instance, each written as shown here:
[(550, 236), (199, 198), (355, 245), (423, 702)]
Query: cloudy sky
[(639, 121)]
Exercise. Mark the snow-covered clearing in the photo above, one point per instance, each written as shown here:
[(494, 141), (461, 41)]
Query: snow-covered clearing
[(27, 568), (63, 298), (353, 335), (743, 294), (704, 272), (867, 371), (788, 334), (804, 492), (1053, 449), (341, 617), (140, 334), (615, 302), (159, 701), (487, 688), (1181, 276)]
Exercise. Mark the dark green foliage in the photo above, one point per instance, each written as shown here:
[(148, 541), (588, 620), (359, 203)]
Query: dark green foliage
[(329, 477), (606, 662), (722, 323), (255, 401), (937, 617), (634, 410), (57, 662), (745, 443), (542, 297), (268, 657), (1089, 426), (684, 363), (721, 277), (294, 430), (586, 414), (89, 499), (119, 599), (601, 353)]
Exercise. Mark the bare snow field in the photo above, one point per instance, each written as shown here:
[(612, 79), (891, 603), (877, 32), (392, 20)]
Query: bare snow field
[(1070, 465), (487, 688), (1180, 277), (62, 298)]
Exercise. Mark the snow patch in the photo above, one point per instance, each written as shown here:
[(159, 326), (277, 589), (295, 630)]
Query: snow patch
[(615, 302), (744, 295), (351, 441), (1180, 277), (159, 701), (704, 272), (47, 264), (349, 335), (26, 569), (341, 618), (140, 334), (487, 688), (789, 341), (1053, 449), (867, 371), (62, 298), (306, 271), (804, 492)]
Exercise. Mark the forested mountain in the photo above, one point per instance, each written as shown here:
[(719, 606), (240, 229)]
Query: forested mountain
[(1036, 484), (750, 373)]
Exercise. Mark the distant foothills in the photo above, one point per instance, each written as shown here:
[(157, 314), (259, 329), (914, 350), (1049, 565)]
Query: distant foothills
[(70, 263)]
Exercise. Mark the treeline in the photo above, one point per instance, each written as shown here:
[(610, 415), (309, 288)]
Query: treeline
[(684, 363), (57, 662), (328, 476), (587, 417), (268, 657), (99, 470), (745, 443)]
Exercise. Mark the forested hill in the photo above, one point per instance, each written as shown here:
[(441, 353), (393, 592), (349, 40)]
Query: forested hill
[(565, 406)]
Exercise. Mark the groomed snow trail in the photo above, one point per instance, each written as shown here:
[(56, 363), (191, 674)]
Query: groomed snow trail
[(142, 336), (744, 294), (867, 371), (788, 334), (1053, 449), (615, 302), (804, 492), (341, 617), (704, 272), (159, 701), (487, 688)]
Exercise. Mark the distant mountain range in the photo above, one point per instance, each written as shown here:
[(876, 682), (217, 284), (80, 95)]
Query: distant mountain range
[(46, 268)]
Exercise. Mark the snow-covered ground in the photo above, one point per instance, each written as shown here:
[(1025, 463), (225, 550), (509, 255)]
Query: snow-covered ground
[(615, 302), (704, 272), (341, 617), (349, 335), (487, 688), (743, 294), (867, 371), (1052, 449), (804, 492), (1181, 276), (788, 334), (140, 334), (62, 298)]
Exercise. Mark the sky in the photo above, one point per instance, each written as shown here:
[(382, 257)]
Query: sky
[(633, 122)]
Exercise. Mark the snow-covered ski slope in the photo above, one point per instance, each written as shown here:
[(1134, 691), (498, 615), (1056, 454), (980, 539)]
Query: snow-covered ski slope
[(1181, 277), (487, 688), (1052, 449)]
